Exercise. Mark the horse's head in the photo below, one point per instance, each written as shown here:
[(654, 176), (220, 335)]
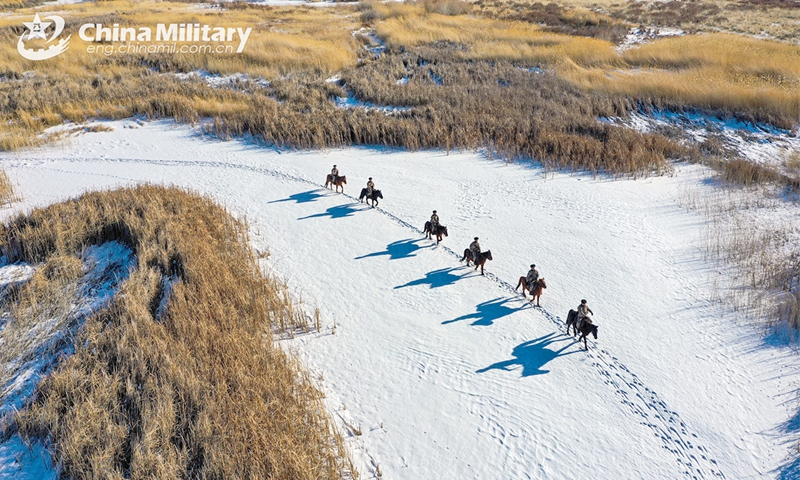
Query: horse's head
[(594, 331), (488, 255), (541, 282), (343, 179), (444, 230), (378, 194)]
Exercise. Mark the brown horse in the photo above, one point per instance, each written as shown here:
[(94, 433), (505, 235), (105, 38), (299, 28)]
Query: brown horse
[(340, 182), (536, 291), (480, 261), (440, 230)]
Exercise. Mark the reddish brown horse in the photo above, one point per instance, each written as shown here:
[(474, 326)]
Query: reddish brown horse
[(340, 182), (536, 291), (440, 230), (480, 261)]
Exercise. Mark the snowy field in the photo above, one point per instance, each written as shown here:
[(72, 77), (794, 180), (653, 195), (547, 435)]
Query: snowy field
[(435, 372)]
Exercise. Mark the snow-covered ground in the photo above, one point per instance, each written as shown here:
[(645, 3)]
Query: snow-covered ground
[(448, 374)]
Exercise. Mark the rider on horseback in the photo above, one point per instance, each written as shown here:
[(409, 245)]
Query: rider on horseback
[(370, 187), (531, 277), (475, 249), (584, 314), (334, 174), (434, 222)]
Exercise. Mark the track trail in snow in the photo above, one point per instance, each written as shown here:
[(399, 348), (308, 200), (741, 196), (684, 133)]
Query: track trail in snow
[(693, 459)]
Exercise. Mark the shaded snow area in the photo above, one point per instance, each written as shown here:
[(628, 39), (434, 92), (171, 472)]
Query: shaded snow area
[(44, 342), (763, 144), (432, 371)]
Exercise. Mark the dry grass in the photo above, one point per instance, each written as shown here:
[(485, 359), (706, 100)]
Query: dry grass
[(201, 392), (778, 19), (757, 251), (6, 188), (493, 39), (297, 47), (283, 40), (36, 311), (572, 19), (755, 79)]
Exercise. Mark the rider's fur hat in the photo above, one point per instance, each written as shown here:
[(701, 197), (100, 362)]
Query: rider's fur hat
[(434, 211), (476, 238), (583, 301), (533, 266)]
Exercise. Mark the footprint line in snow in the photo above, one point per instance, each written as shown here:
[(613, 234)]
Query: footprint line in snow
[(693, 458)]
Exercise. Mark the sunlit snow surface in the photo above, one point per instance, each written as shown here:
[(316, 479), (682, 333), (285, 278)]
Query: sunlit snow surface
[(448, 374)]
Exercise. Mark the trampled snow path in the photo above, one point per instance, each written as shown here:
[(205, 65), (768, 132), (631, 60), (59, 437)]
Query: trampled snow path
[(448, 374)]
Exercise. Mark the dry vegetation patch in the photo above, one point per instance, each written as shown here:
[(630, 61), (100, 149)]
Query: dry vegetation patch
[(6, 189), (473, 97), (200, 391), (751, 233)]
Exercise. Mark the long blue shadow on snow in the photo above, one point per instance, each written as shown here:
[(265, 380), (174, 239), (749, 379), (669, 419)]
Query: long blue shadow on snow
[(487, 312), (533, 355), (437, 278), (791, 469), (339, 211), (302, 197), (399, 249)]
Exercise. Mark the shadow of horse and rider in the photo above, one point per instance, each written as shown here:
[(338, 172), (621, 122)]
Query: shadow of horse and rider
[(532, 355)]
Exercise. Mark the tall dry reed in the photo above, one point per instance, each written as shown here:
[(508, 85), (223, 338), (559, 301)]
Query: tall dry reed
[(199, 392)]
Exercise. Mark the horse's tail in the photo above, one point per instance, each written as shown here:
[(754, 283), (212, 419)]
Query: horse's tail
[(571, 317)]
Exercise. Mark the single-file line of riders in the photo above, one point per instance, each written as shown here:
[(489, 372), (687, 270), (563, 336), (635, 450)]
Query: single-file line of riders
[(579, 319)]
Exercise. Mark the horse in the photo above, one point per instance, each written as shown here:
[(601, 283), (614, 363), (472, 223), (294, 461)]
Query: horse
[(480, 261), (376, 194), (340, 182), (572, 321), (586, 329), (536, 291), (440, 230)]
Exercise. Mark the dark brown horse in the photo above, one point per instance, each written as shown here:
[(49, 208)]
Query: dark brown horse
[(376, 194), (585, 329), (440, 230), (341, 181), (480, 261), (536, 291)]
